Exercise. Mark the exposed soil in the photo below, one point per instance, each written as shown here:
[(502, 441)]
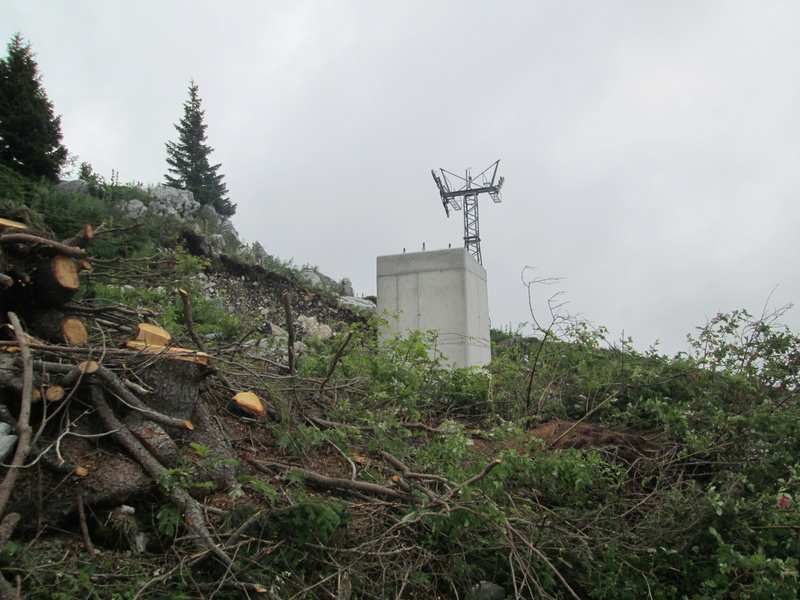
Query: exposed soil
[(559, 434)]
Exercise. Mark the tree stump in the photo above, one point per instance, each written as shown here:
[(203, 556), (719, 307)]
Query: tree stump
[(175, 384)]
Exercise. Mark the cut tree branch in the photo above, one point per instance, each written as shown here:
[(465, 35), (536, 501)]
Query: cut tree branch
[(334, 482), (25, 238), (23, 424)]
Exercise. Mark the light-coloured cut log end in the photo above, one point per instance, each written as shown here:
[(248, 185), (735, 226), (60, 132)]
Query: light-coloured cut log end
[(74, 331), (250, 403), (9, 224), (153, 335), (172, 352), (65, 271), (89, 366), (54, 393)]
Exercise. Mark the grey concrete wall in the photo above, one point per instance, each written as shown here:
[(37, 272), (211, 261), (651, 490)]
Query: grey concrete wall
[(440, 290)]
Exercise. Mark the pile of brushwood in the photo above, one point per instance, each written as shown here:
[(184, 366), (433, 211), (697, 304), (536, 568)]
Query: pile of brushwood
[(156, 451)]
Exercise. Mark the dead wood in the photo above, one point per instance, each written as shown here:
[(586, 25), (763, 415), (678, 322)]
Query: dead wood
[(54, 281), (192, 511), (54, 393), (287, 308), (81, 239), (155, 438), (121, 391), (7, 527), (87, 540), (76, 374), (57, 327), (334, 482), (34, 241), (187, 318), (170, 352), (250, 403), (11, 377), (23, 423), (336, 358), (8, 224), (175, 386), (115, 386), (153, 335)]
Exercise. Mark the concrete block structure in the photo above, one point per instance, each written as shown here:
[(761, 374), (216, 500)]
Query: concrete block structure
[(440, 290)]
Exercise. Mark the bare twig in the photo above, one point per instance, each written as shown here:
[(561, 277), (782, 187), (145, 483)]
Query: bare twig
[(336, 358), (187, 318), (334, 482), (87, 540)]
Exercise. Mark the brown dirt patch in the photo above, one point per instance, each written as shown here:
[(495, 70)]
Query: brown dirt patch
[(559, 435), (628, 445)]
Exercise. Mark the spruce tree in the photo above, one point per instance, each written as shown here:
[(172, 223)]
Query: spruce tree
[(189, 168), (30, 133)]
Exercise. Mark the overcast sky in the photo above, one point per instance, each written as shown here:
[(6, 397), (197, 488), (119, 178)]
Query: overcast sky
[(650, 148)]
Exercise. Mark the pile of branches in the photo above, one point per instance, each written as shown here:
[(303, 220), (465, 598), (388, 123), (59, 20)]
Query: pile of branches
[(272, 497)]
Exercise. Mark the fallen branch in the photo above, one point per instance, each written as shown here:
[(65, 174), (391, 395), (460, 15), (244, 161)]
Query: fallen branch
[(87, 540), (81, 239), (334, 482), (25, 238), (477, 477), (23, 423), (408, 473)]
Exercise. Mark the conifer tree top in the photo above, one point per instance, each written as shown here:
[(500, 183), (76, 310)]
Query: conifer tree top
[(189, 166), (30, 132)]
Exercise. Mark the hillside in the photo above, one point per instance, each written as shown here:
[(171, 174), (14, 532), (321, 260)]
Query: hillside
[(228, 430)]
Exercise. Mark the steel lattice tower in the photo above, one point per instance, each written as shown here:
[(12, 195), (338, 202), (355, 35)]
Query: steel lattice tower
[(452, 198)]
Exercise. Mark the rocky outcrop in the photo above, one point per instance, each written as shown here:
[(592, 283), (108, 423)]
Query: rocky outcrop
[(170, 201), (357, 304)]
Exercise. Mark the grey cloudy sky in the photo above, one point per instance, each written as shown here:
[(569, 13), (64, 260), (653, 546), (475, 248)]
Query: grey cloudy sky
[(650, 148)]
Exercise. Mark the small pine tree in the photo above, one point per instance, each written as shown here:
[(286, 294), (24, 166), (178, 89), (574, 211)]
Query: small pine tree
[(30, 133), (189, 168)]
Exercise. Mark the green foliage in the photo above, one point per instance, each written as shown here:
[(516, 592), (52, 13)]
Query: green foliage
[(30, 132), (15, 191), (65, 214), (189, 168), (692, 495)]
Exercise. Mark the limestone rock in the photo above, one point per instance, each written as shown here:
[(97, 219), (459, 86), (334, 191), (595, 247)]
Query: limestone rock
[(311, 277), (135, 208), (312, 328), (170, 201), (357, 304)]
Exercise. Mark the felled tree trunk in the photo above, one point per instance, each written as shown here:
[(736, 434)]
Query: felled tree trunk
[(54, 281), (57, 327)]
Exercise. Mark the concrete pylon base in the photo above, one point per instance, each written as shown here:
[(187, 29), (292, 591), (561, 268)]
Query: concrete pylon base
[(441, 290)]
